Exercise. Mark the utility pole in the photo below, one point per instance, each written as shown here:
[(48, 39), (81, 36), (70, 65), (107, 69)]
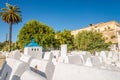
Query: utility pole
[(6, 42), (6, 37)]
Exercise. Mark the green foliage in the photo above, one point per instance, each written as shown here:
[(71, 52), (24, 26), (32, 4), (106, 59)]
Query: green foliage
[(2, 44), (11, 15), (90, 41), (5, 47), (65, 37), (43, 34)]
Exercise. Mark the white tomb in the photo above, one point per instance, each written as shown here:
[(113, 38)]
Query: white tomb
[(33, 49), (78, 72), (104, 56), (63, 50), (75, 59), (56, 55), (44, 68), (15, 54), (30, 75), (110, 54), (26, 58), (63, 53), (13, 69), (39, 65), (50, 68), (46, 55)]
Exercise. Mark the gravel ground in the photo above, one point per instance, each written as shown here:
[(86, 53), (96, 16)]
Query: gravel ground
[(2, 60)]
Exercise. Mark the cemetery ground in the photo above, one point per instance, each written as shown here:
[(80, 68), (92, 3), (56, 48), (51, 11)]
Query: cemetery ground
[(36, 64), (2, 60)]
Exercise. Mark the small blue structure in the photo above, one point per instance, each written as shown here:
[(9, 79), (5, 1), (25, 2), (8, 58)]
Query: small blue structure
[(32, 44), (33, 49)]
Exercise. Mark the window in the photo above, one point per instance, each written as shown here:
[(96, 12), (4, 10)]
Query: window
[(105, 29), (35, 49), (32, 49), (106, 38), (108, 27), (95, 26), (113, 36)]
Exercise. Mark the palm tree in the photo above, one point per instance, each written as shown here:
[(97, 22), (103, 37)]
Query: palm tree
[(11, 15)]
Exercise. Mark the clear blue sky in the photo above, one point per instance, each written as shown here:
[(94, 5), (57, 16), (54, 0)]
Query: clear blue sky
[(60, 14)]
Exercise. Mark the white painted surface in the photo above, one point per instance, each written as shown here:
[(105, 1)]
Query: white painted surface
[(97, 53), (33, 51), (6, 54), (44, 67), (41, 64), (49, 70), (16, 54), (118, 36), (75, 72), (88, 62), (46, 55), (104, 55), (75, 59), (63, 59), (116, 57), (13, 69), (84, 58), (26, 58), (63, 50), (110, 54), (56, 53), (75, 52), (29, 75), (96, 60)]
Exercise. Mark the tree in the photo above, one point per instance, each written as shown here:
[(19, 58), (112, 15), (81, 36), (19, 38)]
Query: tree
[(11, 15), (90, 41), (2, 44), (42, 33), (65, 37)]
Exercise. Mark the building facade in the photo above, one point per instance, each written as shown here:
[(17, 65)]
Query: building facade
[(110, 31)]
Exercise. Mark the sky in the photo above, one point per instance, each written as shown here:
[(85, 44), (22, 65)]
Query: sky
[(61, 14)]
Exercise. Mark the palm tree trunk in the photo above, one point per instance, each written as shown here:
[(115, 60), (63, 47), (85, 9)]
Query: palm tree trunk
[(10, 36)]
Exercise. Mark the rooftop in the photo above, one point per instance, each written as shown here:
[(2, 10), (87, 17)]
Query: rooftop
[(32, 44)]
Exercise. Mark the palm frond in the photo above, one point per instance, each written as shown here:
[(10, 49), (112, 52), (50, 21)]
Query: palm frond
[(11, 14), (4, 9)]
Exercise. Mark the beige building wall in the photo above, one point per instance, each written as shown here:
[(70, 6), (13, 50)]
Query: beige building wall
[(108, 29)]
